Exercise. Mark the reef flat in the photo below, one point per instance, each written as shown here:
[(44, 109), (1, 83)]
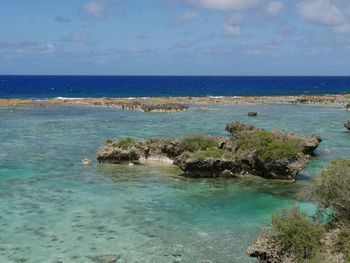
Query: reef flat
[(178, 103)]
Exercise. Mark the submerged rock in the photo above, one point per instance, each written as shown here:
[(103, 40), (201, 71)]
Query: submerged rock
[(268, 154), (104, 258), (164, 107)]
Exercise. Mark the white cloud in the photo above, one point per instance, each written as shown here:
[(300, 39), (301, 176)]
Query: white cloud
[(232, 26), (28, 47), (188, 16), (274, 8), (225, 5), (263, 48), (231, 30), (321, 12), (100, 9), (77, 37), (342, 29)]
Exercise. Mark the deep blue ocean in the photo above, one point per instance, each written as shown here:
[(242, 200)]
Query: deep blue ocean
[(41, 87)]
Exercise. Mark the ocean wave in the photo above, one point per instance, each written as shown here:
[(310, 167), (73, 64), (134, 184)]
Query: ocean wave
[(67, 98), (216, 97)]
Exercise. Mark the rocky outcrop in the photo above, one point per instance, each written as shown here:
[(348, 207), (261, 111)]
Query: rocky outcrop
[(308, 143), (347, 125), (266, 250), (117, 155), (209, 167), (252, 114), (272, 155)]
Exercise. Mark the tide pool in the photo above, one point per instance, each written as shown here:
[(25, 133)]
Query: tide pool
[(53, 209)]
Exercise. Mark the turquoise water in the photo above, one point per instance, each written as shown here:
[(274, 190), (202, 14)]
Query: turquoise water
[(53, 209)]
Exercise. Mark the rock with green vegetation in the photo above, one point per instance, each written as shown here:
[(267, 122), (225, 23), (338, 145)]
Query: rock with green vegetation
[(296, 237), (119, 151), (272, 155), (130, 150), (331, 190), (210, 163)]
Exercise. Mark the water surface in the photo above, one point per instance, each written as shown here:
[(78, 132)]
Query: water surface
[(53, 209)]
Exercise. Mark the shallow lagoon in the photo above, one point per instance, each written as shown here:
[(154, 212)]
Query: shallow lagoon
[(53, 209)]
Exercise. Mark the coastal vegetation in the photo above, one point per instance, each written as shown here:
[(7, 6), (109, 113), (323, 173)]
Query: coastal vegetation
[(297, 237), (297, 233), (199, 142), (249, 150), (267, 145), (212, 152)]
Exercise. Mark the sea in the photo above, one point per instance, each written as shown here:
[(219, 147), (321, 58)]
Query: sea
[(42, 87), (54, 209)]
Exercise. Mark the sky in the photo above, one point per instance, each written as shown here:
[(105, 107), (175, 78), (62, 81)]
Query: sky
[(175, 37)]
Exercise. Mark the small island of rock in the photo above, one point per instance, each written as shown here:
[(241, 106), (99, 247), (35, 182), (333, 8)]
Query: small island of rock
[(249, 150)]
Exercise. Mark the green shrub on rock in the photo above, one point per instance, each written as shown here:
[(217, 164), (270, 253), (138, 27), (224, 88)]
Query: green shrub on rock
[(212, 152), (199, 142), (342, 242), (297, 234), (124, 143), (268, 145), (332, 189)]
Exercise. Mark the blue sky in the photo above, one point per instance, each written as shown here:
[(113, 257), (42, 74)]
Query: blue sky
[(175, 37)]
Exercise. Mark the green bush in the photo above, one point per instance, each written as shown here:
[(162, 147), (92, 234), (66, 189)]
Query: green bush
[(199, 143), (332, 189), (212, 152), (108, 141), (297, 233), (342, 243), (124, 143), (268, 145)]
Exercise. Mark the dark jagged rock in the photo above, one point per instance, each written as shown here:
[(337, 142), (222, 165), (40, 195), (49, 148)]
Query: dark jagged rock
[(117, 155), (347, 125), (272, 155), (252, 114), (267, 251), (208, 168)]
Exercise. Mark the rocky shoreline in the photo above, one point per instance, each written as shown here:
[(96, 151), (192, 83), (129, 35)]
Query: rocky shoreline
[(247, 151), (179, 103)]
